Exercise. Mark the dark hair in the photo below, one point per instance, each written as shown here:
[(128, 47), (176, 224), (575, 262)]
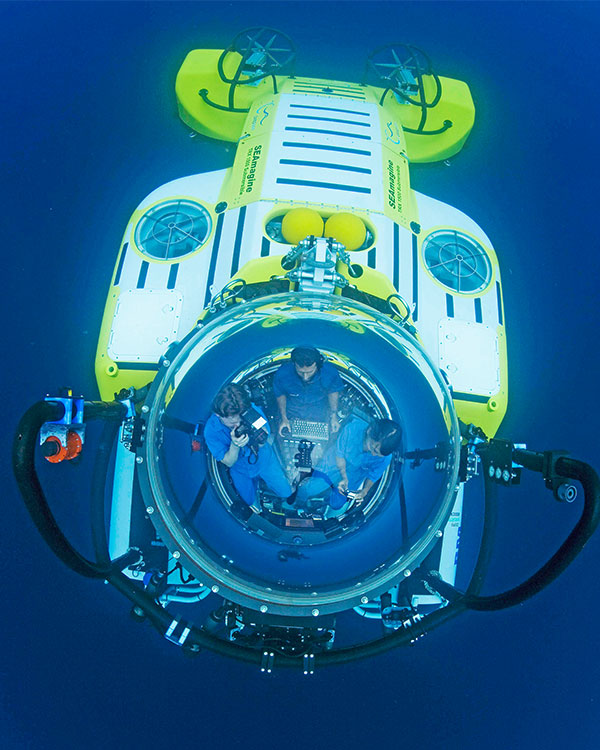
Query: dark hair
[(387, 433), (230, 400), (305, 356)]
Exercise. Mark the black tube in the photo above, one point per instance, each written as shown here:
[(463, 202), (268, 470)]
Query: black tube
[(487, 536), (562, 558), (203, 93), (23, 460), (446, 126), (33, 495)]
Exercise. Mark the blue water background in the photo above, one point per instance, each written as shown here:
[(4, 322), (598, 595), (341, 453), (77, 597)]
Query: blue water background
[(89, 128)]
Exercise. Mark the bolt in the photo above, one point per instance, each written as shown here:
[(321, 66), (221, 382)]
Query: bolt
[(315, 612), (177, 554), (149, 510), (407, 572), (139, 460), (364, 599), (145, 408), (439, 533), (263, 608), (214, 589), (166, 362)]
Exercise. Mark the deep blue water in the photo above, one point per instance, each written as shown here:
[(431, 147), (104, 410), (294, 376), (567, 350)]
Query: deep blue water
[(90, 127)]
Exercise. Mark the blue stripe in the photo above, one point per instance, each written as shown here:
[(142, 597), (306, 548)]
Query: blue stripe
[(330, 132), (143, 273), (238, 241), (330, 119), (325, 165), (322, 147), (264, 248), (371, 258), (415, 254), (329, 185), (173, 276), (213, 258), (478, 313), (449, 305), (396, 256), (499, 298), (330, 109), (120, 265)]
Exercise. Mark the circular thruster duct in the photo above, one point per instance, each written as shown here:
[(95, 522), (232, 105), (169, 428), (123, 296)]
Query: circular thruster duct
[(296, 574), (457, 261), (172, 229)]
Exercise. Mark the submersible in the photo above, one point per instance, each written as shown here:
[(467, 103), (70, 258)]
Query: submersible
[(315, 237)]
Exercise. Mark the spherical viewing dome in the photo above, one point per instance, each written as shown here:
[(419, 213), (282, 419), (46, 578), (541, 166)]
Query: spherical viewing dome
[(319, 560)]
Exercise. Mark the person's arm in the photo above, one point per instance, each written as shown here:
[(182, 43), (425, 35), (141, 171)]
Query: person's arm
[(333, 384), (333, 408), (282, 404), (233, 452), (358, 496), (341, 464)]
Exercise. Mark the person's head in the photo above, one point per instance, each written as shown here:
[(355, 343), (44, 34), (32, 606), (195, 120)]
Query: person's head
[(307, 362), (382, 437), (229, 404)]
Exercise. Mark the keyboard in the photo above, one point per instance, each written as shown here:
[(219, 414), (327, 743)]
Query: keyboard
[(304, 430)]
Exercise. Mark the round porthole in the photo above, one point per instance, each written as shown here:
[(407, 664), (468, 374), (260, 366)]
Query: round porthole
[(457, 261), (172, 229)]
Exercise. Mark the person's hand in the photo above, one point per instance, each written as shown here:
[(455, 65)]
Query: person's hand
[(239, 440), (285, 425), (342, 485), (335, 423), (359, 496)]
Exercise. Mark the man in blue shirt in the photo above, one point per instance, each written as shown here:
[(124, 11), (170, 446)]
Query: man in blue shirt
[(246, 465), (307, 387)]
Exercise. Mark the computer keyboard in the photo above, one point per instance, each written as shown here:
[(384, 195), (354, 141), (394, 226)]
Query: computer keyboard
[(304, 430)]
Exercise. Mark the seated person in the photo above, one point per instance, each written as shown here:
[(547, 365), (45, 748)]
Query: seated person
[(307, 387), (245, 464), (362, 453)]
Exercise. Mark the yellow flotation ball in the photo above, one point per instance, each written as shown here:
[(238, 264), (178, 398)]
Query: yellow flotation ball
[(299, 223), (346, 228)]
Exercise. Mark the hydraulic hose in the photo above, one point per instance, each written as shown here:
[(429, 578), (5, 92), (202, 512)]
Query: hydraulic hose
[(203, 93), (490, 519), (31, 490), (562, 558)]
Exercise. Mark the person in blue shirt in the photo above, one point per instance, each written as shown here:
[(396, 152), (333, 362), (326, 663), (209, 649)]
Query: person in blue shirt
[(361, 455), (307, 387), (363, 452), (246, 465)]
